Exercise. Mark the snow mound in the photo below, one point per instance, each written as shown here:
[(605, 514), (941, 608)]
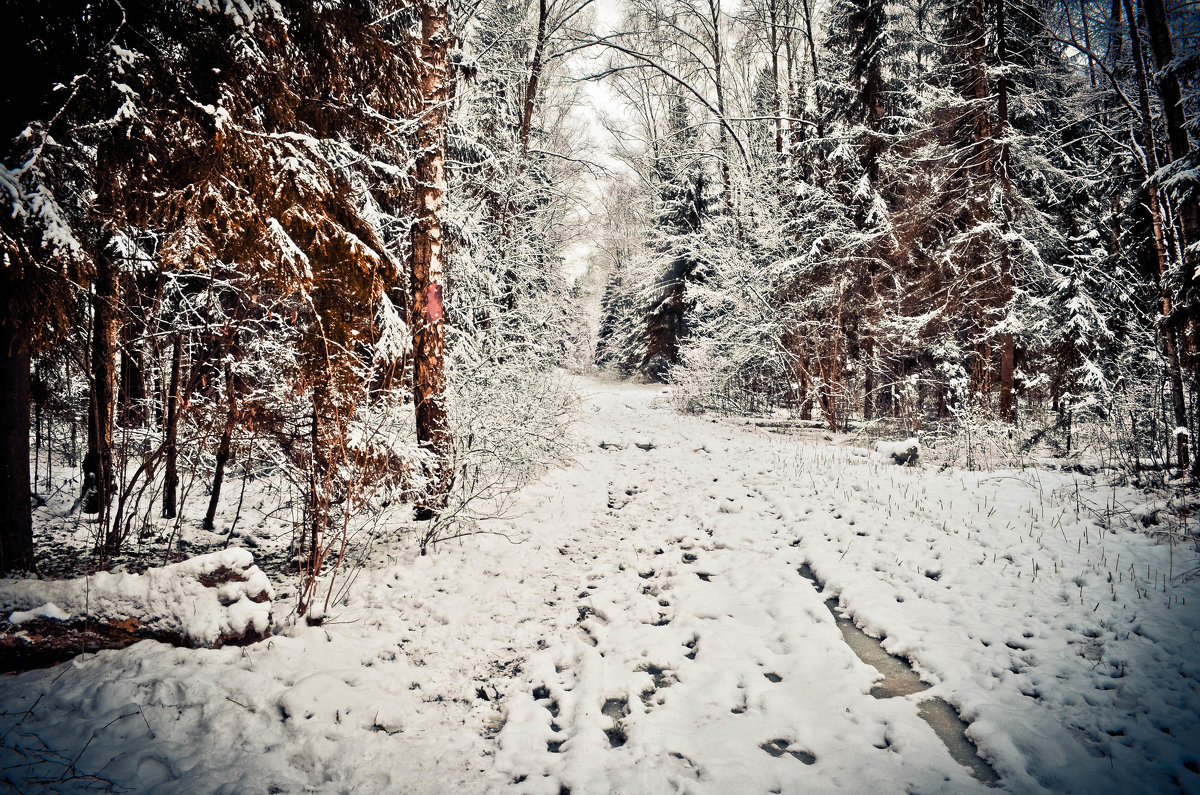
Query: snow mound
[(325, 698), (203, 600), (905, 451)]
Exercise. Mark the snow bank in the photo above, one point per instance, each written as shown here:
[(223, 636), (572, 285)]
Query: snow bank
[(204, 599)]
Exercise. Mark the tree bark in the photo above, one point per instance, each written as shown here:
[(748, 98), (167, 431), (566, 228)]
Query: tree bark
[(1170, 345), (428, 267), (16, 529), (171, 435)]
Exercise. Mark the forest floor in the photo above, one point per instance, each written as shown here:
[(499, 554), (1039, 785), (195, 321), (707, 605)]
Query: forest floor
[(653, 618)]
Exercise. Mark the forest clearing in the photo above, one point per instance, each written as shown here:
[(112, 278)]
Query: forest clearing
[(590, 396)]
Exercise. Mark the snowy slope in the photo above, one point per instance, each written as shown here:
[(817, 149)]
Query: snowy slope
[(641, 625)]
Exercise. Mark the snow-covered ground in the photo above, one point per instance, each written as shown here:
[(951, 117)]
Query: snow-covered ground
[(640, 624)]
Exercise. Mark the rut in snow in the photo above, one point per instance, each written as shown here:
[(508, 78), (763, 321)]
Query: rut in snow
[(899, 679)]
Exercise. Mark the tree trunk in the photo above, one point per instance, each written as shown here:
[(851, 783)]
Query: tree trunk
[(869, 363), (222, 452), (714, 9), (1008, 406), (171, 435), (131, 397), (98, 463), (776, 105), (317, 509), (16, 530), (1159, 34), (1171, 348), (428, 268), (1087, 40), (531, 87), (812, 51), (98, 624)]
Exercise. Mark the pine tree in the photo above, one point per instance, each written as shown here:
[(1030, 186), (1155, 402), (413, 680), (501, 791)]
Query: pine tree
[(683, 205)]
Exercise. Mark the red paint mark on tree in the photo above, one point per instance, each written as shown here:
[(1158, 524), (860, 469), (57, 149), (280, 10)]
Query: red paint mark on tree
[(433, 303)]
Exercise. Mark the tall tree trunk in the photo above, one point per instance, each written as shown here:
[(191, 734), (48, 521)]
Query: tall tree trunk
[(869, 363), (428, 267), (222, 451), (98, 463), (1008, 406), (1116, 39), (776, 105), (718, 55), (16, 529), (171, 435), (512, 206), (531, 87), (812, 51), (1170, 345), (1087, 40), (789, 58), (131, 397), (311, 559), (133, 388), (1159, 33)]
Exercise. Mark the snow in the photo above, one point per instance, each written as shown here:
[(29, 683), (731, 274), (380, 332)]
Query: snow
[(638, 623), (169, 599), (48, 610)]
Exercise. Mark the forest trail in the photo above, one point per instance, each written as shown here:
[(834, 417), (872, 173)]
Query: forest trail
[(640, 623), (701, 658)]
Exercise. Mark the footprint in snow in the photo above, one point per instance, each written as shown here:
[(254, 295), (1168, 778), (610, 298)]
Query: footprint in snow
[(661, 678), (778, 748), (616, 709)]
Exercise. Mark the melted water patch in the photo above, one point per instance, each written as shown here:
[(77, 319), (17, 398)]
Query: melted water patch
[(949, 727), (899, 679)]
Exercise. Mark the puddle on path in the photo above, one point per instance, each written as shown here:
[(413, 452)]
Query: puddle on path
[(899, 679), (946, 724)]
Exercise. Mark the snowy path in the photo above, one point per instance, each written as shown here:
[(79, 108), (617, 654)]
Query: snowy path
[(642, 626), (701, 637)]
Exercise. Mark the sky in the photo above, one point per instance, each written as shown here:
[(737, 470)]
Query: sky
[(599, 98)]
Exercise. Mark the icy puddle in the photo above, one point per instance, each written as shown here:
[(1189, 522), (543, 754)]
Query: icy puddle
[(899, 679)]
